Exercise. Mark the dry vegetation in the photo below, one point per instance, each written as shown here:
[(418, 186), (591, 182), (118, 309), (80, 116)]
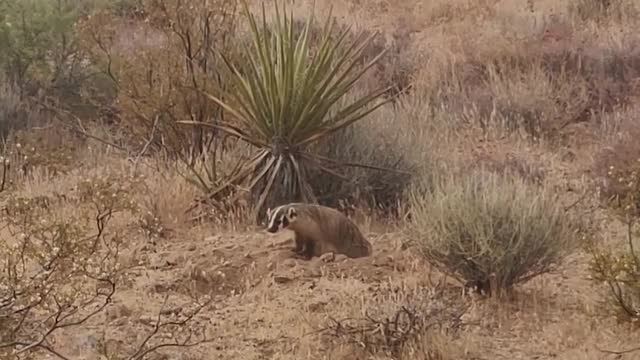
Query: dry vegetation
[(504, 156)]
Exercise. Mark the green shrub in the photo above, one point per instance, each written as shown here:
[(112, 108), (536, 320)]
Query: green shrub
[(490, 231), (619, 169), (620, 272)]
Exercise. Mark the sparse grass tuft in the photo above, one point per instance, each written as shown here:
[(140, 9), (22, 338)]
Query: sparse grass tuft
[(490, 231)]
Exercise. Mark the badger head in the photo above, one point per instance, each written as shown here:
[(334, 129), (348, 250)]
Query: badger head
[(280, 218)]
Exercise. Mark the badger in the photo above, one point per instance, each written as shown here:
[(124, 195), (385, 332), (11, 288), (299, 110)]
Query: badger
[(318, 229)]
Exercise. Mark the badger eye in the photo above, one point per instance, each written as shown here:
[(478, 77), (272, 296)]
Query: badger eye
[(285, 222)]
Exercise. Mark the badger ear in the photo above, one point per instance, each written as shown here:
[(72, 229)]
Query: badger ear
[(268, 212), (292, 213)]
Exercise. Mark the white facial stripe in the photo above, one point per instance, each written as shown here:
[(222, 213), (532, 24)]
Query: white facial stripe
[(275, 214)]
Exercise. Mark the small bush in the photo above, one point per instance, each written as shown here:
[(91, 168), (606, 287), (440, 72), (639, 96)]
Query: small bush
[(490, 231), (620, 272), (406, 326), (619, 168)]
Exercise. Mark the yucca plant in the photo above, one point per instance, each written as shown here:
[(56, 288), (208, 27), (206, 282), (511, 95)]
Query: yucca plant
[(286, 98)]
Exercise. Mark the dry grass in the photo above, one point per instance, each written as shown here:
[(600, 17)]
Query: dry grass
[(537, 90)]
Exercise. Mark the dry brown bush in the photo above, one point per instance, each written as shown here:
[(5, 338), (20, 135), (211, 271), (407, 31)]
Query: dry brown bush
[(62, 266), (161, 60), (406, 328), (619, 271)]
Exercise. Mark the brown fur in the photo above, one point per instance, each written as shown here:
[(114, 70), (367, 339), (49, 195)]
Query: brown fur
[(319, 229)]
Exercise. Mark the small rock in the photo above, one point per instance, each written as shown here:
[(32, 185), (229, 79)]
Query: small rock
[(176, 261), (117, 312), (378, 262), (289, 262), (192, 247), (328, 257), (211, 239), (314, 273), (281, 279), (163, 287), (119, 322), (171, 310), (158, 262), (341, 257), (317, 306), (147, 320), (89, 342)]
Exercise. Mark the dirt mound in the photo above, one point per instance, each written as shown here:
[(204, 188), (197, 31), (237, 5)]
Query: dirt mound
[(266, 301)]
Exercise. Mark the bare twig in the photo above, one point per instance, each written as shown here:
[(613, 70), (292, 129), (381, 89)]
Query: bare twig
[(143, 349), (59, 318), (389, 334), (5, 170), (148, 143), (622, 352), (79, 129), (578, 201)]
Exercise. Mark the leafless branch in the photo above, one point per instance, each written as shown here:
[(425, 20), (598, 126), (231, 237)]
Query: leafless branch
[(79, 128), (148, 143), (59, 322), (143, 349), (622, 352)]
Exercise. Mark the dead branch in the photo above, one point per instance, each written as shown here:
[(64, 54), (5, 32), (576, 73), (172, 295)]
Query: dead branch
[(388, 334), (621, 352), (62, 319), (79, 128), (148, 142), (144, 349)]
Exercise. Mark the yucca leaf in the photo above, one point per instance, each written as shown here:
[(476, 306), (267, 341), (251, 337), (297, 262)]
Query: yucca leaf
[(274, 173), (300, 179), (229, 129), (262, 173), (317, 103), (248, 169)]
